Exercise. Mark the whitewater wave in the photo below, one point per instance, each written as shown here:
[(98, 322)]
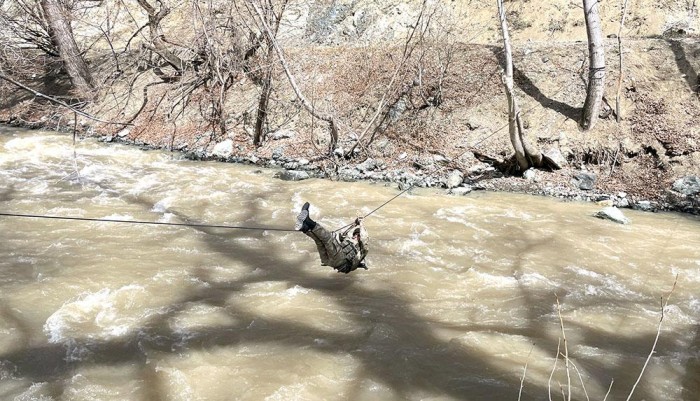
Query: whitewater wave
[(101, 315)]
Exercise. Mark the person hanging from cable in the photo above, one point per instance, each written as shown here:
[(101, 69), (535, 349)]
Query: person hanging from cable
[(344, 250)]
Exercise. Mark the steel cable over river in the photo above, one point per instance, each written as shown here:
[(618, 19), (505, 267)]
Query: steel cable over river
[(461, 292)]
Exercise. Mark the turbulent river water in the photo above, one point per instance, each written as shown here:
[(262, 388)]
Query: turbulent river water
[(460, 300)]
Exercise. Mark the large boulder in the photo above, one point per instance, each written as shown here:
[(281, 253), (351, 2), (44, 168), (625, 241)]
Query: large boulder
[(556, 159), (584, 180), (688, 186), (455, 179), (368, 165), (223, 149)]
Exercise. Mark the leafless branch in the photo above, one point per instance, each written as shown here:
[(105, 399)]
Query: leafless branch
[(656, 339), (58, 102)]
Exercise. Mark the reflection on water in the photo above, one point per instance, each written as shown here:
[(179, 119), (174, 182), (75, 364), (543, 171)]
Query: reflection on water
[(460, 294)]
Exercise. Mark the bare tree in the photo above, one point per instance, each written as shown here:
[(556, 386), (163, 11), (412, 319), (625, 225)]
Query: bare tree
[(273, 19), (24, 20), (59, 19), (526, 154), (596, 65), (329, 118), (217, 56)]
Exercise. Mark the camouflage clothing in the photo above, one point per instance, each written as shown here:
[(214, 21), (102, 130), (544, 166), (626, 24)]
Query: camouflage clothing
[(344, 251)]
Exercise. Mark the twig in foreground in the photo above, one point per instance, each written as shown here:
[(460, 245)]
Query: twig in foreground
[(656, 340)]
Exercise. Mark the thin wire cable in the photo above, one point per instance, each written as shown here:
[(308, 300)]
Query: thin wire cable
[(377, 208), (37, 216), (160, 223)]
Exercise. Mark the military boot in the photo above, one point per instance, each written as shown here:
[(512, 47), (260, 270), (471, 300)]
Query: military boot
[(304, 222)]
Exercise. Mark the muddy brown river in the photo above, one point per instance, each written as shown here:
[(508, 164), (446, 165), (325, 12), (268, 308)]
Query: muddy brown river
[(460, 296)]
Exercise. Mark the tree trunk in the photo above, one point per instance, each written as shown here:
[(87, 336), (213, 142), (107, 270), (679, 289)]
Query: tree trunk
[(62, 34), (158, 44), (596, 65), (261, 117), (526, 154)]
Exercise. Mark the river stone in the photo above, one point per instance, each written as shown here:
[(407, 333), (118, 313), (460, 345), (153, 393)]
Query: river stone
[(368, 165), (292, 175), (554, 155), (623, 202), (278, 153), (614, 214), (645, 206), (689, 185), (223, 149), (281, 134), (583, 180), (530, 174), (461, 191), (455, 179)]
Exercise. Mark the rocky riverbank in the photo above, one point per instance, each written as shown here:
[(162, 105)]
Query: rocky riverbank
[(438, 120), (565, 184)]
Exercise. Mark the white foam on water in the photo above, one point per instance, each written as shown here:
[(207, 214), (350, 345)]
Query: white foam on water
[(40, 188), (178, 383), (601, 285), (694, 304), (34, 146), (583, 272), (416, 246), (104, 314), (491, 279), (166, 218), (284, 393), (676, 314), (36, 392), (163, 205), (537, 280), (95, 173), (171, 276), (144, 184), (296, 290), (460, 215)]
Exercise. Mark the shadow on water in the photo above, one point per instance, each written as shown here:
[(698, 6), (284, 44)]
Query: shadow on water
[(598, 373), (7, 194), (691, 379), (406, 355)]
